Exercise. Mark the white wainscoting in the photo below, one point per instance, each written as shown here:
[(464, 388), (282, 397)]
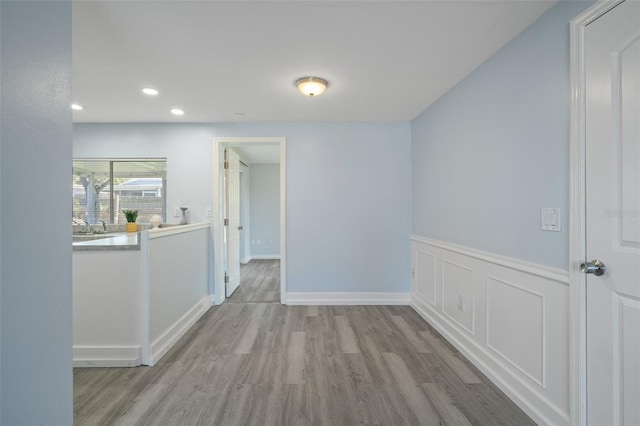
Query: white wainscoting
[(347, 299), (510, 318)]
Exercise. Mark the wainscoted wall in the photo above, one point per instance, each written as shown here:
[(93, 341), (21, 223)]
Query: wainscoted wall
[(509, 317)]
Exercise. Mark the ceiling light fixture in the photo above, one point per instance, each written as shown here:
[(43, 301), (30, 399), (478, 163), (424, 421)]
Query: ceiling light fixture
[(149, 91), (77, 107), (177, 111), (312, 86)]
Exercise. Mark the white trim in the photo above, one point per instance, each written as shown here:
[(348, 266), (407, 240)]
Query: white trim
[(265, 257), (544, 403), (471, 331), (577, 210), (218, 236), (170, 336), (541, 381), (486, 362), (348, 299), (283, 220), (178, 229), (107, 356), (510, 262), (244, 261), (144, 293)]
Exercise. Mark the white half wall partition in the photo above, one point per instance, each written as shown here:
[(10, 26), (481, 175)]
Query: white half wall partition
[(156, 288), (178, 277)]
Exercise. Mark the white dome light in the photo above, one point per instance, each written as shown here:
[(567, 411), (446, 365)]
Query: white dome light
[(149, 91), (177, 111), (312, 86), (77, 107)]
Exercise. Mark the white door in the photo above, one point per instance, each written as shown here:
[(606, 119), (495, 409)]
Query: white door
[(232, 222), (613, 216)]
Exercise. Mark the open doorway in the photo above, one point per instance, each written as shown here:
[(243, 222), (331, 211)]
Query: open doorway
[(249, 220)]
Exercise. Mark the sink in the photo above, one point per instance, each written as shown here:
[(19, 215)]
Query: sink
[(91, 237)]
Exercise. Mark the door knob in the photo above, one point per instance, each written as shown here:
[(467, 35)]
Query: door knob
[(595, 267)]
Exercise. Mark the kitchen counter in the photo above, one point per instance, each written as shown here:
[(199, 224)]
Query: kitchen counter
[(125, 241)]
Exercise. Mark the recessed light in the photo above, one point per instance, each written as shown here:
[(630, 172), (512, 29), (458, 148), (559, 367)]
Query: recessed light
[(77, 107), (149, 91), (177, 111)]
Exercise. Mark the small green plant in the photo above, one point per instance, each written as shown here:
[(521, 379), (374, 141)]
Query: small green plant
[(131, 215)]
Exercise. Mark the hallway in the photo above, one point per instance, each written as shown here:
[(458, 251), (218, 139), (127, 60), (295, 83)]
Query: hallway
[(259, 283)]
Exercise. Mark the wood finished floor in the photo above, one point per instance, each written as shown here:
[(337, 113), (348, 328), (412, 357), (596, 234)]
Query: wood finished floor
[(259, 283), (269, 364)]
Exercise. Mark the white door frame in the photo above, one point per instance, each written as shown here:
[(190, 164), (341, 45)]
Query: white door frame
[(577, 220), (218, 215)]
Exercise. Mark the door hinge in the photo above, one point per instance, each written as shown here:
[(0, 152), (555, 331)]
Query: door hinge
[(226, 165), (226, 222), (413, 273), (226, 278)]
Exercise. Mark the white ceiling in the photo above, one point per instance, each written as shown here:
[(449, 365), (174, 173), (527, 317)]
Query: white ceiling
[(384, 60)]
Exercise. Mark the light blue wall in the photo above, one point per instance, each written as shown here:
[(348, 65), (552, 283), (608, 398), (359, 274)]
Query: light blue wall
[(348, 192), (264, 190), (495, 149), (35, 155)]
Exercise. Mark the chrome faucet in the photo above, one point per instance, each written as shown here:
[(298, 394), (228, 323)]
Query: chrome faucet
[(87, 227), (104, 226)]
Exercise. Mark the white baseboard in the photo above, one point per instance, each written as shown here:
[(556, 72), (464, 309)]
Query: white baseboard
[(265, 257), (490, 366), (107, 356), (347, 298), (170, 336), (245, 260), (490, 322)]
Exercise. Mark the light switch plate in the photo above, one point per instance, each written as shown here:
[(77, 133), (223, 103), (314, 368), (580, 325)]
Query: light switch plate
[(550, 219)]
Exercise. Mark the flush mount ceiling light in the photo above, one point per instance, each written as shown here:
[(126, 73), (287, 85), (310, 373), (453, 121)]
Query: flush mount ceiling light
[(312, 86), (149, 91), (177, 111), (77, 107)]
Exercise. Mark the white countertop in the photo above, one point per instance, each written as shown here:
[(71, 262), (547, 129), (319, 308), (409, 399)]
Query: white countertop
[(131, 240), (128, 241)]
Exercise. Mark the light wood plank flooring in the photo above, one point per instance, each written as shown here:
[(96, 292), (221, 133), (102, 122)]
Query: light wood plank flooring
[(269, 364), (259, 283)]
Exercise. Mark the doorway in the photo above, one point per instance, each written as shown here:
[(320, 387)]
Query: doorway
[(259, 266), (605, 217)]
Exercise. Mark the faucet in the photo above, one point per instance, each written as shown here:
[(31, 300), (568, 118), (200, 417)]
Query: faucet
[(104, 226), (87, 227)]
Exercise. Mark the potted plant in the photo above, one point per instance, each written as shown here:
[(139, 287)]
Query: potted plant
[(131, 216)]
